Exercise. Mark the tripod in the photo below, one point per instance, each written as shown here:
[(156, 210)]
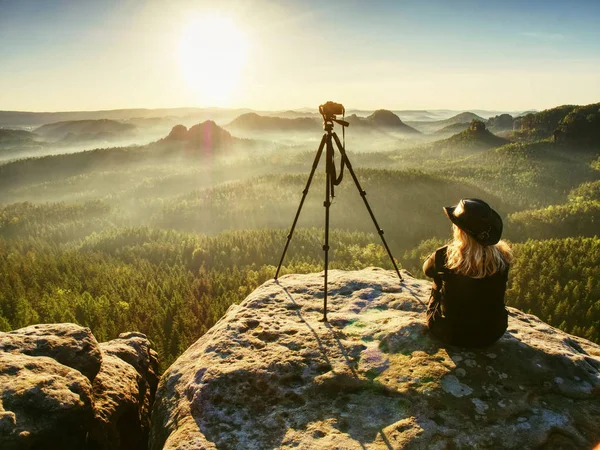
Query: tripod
[(331, 181)]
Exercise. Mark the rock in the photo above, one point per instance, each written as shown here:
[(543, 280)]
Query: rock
[(477, 125), (178, 133), (134, 348), (118, 405), (500, 123), (67, 343), (60, 389), (270, 375), (43, 404), (124, 390)]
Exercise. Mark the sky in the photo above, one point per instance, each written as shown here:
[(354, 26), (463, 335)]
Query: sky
[(275, 55)]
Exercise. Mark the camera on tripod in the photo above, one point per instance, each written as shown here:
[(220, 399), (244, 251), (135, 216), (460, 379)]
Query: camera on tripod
[(331, 109)]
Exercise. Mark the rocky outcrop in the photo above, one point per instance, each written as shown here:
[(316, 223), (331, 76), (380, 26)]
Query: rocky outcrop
[(270, 375), (124, 391), (502, 122), (203, 136), (44, 404), (59, 388), (67, 343)]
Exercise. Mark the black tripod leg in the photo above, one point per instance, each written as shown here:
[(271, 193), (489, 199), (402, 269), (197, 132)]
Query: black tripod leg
[(304, 193), (363, 194), (327, 204)]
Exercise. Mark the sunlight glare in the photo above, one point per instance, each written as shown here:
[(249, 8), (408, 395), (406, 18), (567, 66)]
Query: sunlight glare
[(212, 53)]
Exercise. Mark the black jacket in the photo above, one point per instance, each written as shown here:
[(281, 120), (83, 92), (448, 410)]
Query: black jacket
[(465, 311)]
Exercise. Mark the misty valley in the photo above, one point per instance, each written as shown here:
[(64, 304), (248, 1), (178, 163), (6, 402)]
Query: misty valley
[(159, 220)]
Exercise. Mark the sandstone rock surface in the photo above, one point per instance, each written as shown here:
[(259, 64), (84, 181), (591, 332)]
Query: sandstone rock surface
[(67, 343), (59, 388), (270, 375), (124, 390)]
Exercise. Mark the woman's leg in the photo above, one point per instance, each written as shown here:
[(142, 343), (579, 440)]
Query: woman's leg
[(439, 326)]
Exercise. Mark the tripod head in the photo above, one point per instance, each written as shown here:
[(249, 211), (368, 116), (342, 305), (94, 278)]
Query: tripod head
[(329, 111)]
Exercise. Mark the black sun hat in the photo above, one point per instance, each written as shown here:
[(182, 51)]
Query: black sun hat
[(476, 218)]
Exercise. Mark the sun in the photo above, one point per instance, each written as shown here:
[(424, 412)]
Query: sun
[(212, 53)]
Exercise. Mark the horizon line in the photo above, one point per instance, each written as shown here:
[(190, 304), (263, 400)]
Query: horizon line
[(300, 109)]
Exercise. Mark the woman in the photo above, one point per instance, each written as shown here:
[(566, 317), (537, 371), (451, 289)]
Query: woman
[(467, 300)]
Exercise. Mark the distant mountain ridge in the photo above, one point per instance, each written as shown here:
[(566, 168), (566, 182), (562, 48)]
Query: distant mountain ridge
[(30, 119), (503, 122), (85, 130), (205, 135), (10, 136), (382, 119), (452, 129), (475, 138), (564, 124), (255, 122), (433, 126)]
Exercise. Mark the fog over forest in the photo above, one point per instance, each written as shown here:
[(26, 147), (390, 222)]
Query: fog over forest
[(159, 220)]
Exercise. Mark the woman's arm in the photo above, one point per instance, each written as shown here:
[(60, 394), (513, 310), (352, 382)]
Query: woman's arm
[(429, 266)]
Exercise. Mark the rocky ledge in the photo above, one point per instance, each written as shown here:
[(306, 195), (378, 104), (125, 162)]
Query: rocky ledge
[(60, 389), (270, 375)]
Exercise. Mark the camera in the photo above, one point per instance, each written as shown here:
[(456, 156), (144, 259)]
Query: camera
[(331, 109)]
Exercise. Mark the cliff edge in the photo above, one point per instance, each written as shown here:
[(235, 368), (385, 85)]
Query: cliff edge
[(270, 375), (61, 389)]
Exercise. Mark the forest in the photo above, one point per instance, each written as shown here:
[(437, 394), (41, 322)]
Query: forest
[(163, 237)]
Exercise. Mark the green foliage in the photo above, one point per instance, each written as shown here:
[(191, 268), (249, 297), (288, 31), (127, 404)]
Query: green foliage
[(586, 191), (502, 122), (558, 280), (567, 123), (525, 175), (57, 167), (56, 222), (545, 121), (580, 216), (413, 259), (581, 125), (407, 205), (474, 139), (169, 285)]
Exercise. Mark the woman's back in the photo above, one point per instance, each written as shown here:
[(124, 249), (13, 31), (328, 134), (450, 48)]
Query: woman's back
[(470, 276), (466, 300)]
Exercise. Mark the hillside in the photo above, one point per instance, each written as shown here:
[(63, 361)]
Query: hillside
[(382, 120), (436, 125), (257, 123), (28, 118), (271, 202), (386, 119), (451, 130), (579, 216), (82, 130), (565, 124), (472, 140), (15, 143), (203, 136), (525, 175), (500, 123), (201, 141), (12, 137)]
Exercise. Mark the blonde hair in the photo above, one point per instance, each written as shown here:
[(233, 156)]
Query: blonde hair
[(466, 256)]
